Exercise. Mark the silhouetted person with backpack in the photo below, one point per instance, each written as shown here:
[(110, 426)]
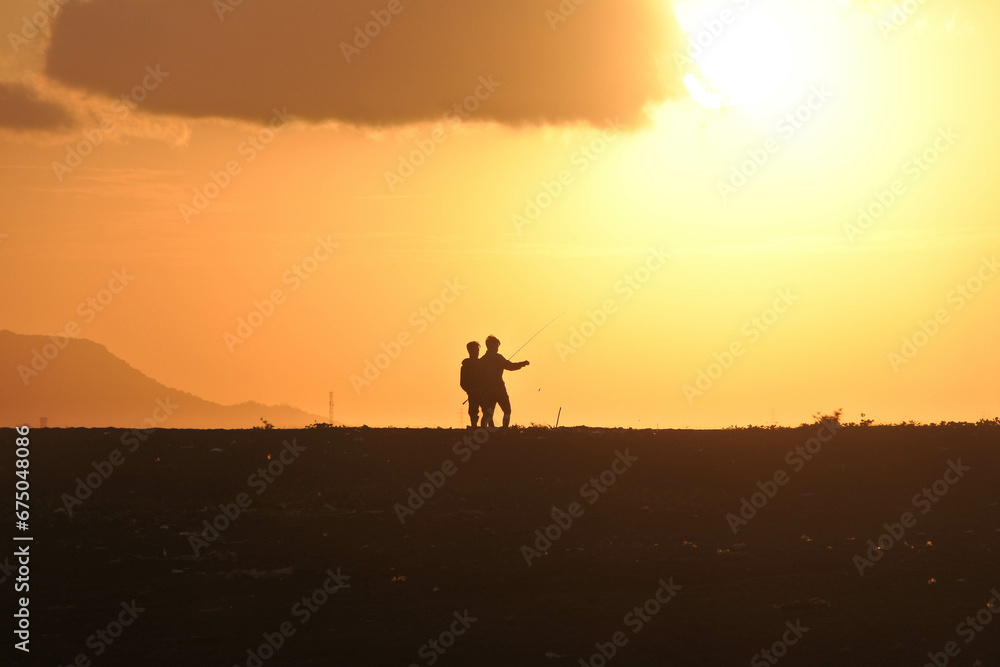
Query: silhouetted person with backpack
[(492, 365), (472, 382)]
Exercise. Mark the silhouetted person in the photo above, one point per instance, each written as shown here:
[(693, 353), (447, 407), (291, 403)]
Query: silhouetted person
[(492, 366), (472, 381)]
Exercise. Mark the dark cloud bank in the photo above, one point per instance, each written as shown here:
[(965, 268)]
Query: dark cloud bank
[(21, 108), (607, 59)]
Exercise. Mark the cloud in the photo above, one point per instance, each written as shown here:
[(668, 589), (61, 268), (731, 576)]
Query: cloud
[(606, 59), (22, 108)]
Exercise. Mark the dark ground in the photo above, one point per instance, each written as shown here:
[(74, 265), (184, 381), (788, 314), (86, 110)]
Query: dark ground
[(663, 518)]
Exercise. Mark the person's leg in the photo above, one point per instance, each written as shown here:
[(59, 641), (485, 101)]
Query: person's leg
[(505, 406), (473, 410), (489, 405), (480, 407)]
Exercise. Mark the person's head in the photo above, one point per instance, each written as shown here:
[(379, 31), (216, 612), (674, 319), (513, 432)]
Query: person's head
[(492, 343), (473, 348)]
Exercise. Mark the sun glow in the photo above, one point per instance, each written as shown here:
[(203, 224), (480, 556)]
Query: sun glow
[(702, 95), (752, 55)]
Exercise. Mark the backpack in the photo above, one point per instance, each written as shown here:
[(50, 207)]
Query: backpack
[(467, 379)]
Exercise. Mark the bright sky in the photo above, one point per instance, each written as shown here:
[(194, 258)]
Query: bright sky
[(693, 222)]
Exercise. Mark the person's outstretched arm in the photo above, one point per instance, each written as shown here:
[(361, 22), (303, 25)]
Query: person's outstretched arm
[(514, 365)]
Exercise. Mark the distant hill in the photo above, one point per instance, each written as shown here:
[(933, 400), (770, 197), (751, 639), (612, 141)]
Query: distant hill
[(86, 385)]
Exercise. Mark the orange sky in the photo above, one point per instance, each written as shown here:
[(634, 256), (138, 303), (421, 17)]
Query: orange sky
[(578, 178)]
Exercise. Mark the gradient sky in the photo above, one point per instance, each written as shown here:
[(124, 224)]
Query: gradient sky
[(595, 147)]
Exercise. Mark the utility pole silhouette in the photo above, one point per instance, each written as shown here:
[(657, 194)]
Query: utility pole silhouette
[(331, 408)]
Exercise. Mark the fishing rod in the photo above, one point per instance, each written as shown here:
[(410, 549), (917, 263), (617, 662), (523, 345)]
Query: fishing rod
[(535, 336)]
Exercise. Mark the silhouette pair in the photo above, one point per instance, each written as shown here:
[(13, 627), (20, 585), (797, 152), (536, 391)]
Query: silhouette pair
[(482, 380)]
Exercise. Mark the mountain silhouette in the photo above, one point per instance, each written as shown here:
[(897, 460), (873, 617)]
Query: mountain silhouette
[(81, 383)]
